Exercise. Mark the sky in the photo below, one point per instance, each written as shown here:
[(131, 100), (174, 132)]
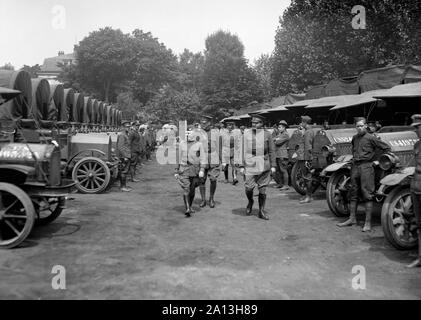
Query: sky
[(32, 30)]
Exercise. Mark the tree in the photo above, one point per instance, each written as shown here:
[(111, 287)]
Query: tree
[(227, 81), (8, 66), (104, 62), (170, 104), (315, 41), (130, 107), (154, 66), (190, 66), (263, 69), (33, 71)]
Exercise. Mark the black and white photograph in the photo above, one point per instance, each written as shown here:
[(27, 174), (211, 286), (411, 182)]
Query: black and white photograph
[(226, 151)]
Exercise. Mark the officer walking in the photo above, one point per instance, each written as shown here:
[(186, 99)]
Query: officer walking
[(124, 154), (364, 148), (192, 159), (259, 162), (212, 145), (280, 139), (230, 137), (305, 158), (416, 187)]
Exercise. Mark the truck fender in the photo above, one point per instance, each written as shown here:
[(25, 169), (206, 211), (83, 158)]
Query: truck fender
[(336, 166), (397, 177)]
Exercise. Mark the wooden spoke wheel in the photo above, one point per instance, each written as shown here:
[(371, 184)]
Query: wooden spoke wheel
[(398, 219), (48, 209), (336, 191), (297, 180), (17, 215), (91, 175)]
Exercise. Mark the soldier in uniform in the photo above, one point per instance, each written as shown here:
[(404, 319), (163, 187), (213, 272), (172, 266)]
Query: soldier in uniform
[(416, 187), (305, 158), (124, 154), (230, 147), (134, 139), (192, 160), (258, 163), (280, 139), (364, 148), (212, 145)]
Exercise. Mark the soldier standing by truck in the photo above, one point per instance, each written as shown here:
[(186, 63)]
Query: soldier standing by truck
[(134, 138), (305, 158), (364, 147), (280, 139), (124, 154), (416, 187), (258, 163)]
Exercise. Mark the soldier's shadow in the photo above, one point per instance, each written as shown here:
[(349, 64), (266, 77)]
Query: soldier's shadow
[(242, 212)]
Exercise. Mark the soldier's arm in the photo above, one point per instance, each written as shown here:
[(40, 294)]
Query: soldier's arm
[(280, 141), (381, 145), (272, 154)]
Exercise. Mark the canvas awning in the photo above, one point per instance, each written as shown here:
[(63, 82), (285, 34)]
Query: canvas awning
[(7, 94), (19, 107), (69, 96), (327, 102), (57, 106), (78, 103), (409, 90), (40, 99), (359, 99), (381, 78)]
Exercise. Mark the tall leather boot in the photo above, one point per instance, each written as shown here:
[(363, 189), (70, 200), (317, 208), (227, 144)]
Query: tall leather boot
[(212, 194), (133, 174), (202, 189), (123, 184), (234, 176), (187, 205), (352, 217), (417, 262), (262, 202), (249, 194), (368, 214), (191, 198)]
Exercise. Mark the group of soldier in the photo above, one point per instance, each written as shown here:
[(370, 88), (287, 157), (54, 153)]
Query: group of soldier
[(365, 146), (135, 143)]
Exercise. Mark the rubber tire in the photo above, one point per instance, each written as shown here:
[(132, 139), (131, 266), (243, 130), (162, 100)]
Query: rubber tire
[(26, 201), (294, 182), (104, 185), (330, 192), (387, 224), (53, 216)]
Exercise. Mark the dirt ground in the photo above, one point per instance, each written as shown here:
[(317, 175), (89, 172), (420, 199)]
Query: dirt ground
[(139, 245)]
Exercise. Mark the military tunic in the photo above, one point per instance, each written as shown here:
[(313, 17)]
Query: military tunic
[(259, 158), (364, 150), (191, 160)]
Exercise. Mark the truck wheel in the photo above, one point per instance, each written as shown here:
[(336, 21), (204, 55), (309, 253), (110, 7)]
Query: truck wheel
[(51, 210), (336, 201), (398, 219), (91, 175), (297, 180), (17, 215)]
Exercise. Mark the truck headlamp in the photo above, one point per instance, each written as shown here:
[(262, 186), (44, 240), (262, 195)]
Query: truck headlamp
[(388, 161)]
